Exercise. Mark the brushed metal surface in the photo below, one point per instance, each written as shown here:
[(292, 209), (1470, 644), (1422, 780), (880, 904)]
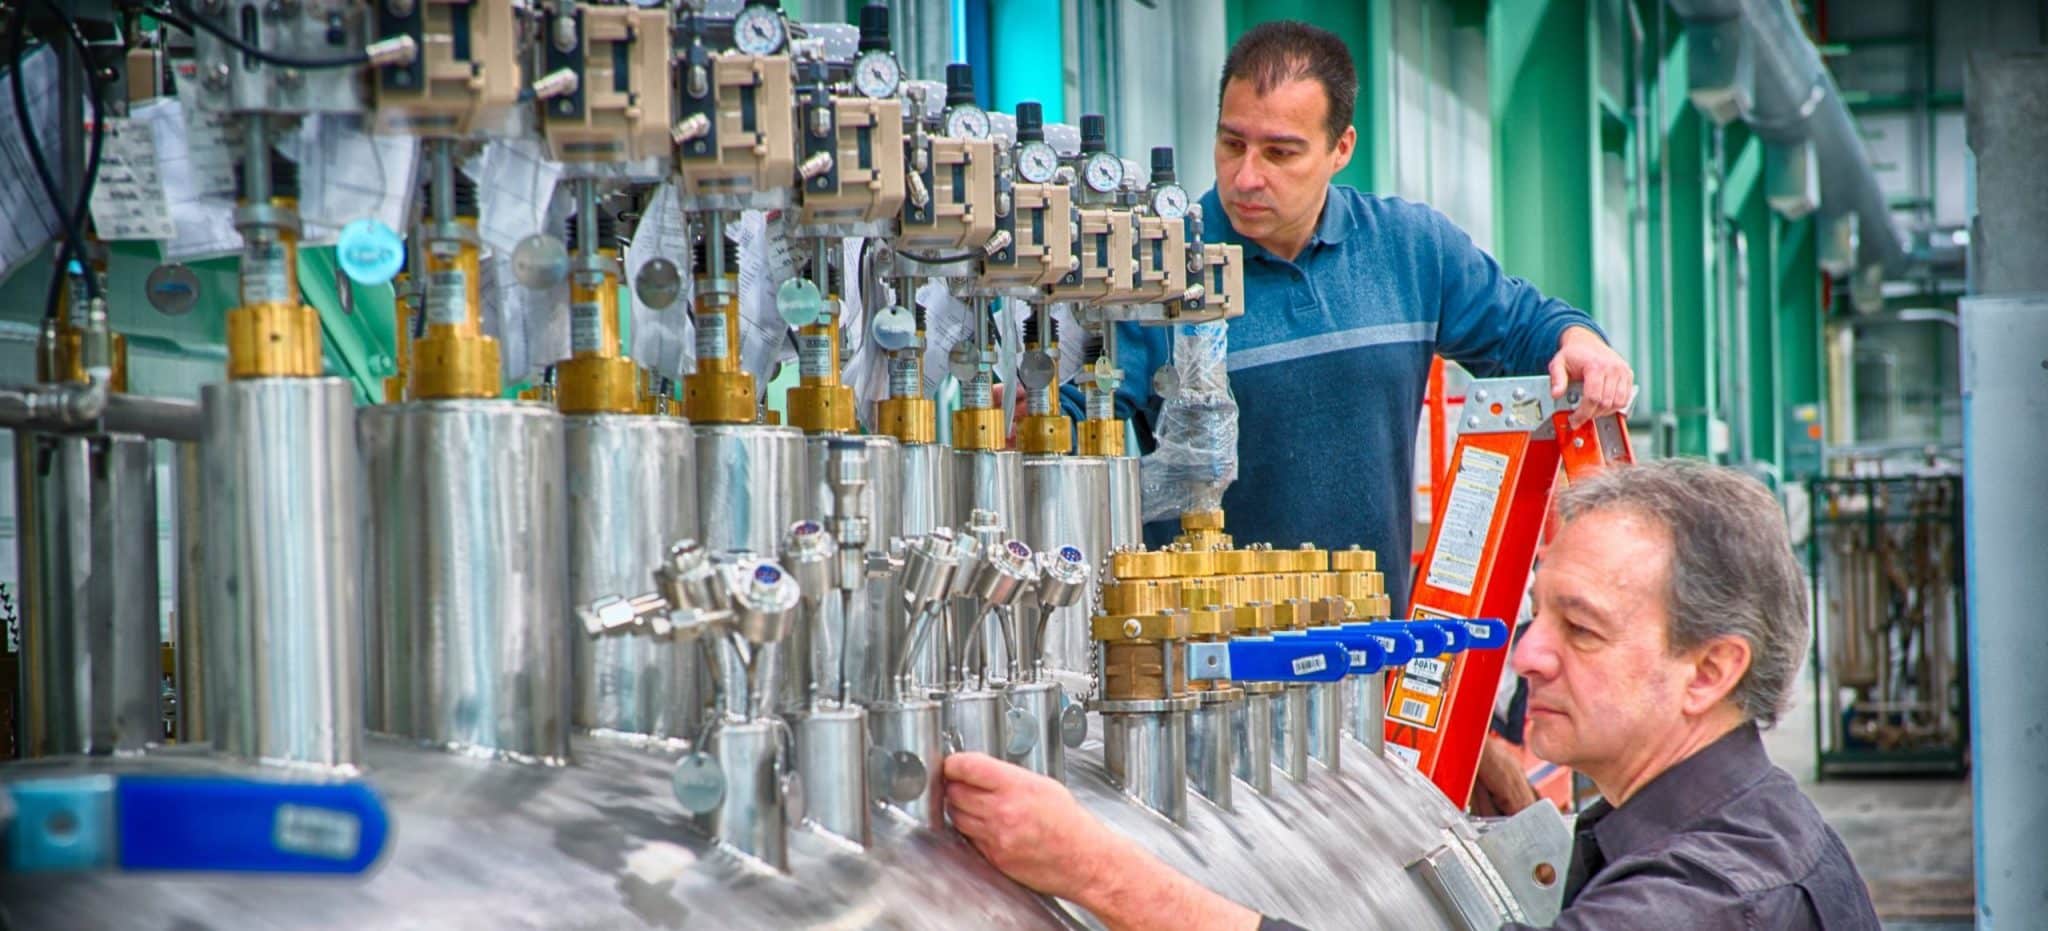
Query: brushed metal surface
[(1290, 732), (750, 485), (1251, 725), (1146, 755), (1126, 508), (1326, 723), (916, 727), (1041, 703), (832, 758), (1365, 710), (1212, 749), (1065, 504)]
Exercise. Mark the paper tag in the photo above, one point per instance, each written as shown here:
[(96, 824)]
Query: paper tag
[(516, 184), (128, 200), (347, 174), (1468, 515), (948, 320), (31, 218)]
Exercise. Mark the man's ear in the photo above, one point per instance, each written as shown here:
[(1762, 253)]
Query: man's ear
[(1346, 145), (1717, 668)]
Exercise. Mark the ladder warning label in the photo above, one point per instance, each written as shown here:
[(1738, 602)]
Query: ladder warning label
[(1419, 697), (1468, 515)]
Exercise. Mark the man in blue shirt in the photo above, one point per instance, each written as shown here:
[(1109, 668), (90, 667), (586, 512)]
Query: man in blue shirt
[(1348, 295)]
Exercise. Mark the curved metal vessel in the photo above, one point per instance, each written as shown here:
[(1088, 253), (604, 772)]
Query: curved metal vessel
[(624, 510), (1126, 511), (470, 559), (1063, 498), (750, 485)]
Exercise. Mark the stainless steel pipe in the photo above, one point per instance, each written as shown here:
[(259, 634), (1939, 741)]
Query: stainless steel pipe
[(1037, 707), (283, 637), (469, 542), (832, 758), (1290, 729), (974, 720), (1365, 707), (630, 484), (1212, 743), (1252, 725), (750, 485), (189, 640), (1325, 723), (1146, 754), (750, 817), (916, 727), (1066, 504), (1126, 510), (91, 677)]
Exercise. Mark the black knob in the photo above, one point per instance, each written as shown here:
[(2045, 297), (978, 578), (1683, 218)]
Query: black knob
[(874, 27), (1094, 133), (959, 84), (1162, 164), (1030, 122)]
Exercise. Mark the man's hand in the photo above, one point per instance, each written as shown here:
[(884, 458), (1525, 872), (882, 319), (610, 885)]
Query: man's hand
[(1582, 356), (1502, 788), (1027, 825)]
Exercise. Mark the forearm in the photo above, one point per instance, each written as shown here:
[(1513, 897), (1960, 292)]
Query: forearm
[(1134, 891)]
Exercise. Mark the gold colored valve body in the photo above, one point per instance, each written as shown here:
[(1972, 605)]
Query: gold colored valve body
[(597, 378), (401, 314), (1102, 437), (909, 420), (819, 403), (272, 334), (454, 359), (70, 356), (978, 428), (719, 391)]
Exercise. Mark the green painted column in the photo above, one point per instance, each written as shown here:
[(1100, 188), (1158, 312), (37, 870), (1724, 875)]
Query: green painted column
[(1540, 67), (1690, 245), (1027, 56), (1354, 23), (1802, 351)]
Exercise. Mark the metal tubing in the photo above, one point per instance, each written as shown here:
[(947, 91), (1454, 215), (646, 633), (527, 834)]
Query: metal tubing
[(750, 485), (91, 678), (73, 406), (470, 560), (1040, 704), (1365, 707), (284, 667), (189, 640), (1290, 727), (1211, 742), (624, 509), (750, 818), (1325, 721), (988, 480), (1146, 754), (1064, 501), (832, 758), (974, 720), (1126, 511), (916, 727), (1252, 724)]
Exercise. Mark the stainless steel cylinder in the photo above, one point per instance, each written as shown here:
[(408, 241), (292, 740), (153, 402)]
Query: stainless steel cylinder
[(1146, 754), (885, 492), (283, 615), (974, 720), (855, 627), (916, 727), (468, 544), (924, 488), (1126, 511), (1325, 723), (832, 758), (1066, 503), (189, 639), (750, 485), (630, 494), (1290, 730), (1252, 725), (750, 817), (1038, 706), (1211, 744), (988, 480), (1365, 708), (91, 676)]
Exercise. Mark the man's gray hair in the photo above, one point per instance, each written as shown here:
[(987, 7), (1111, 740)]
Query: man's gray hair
[(1732, 568)]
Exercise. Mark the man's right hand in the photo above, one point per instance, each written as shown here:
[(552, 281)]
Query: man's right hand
[(1027, 825)]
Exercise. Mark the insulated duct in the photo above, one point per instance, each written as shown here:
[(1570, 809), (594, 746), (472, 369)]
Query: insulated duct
[(1793, 99)]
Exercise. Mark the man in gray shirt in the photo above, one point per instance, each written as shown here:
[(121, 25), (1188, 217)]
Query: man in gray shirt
[(1670, 624)]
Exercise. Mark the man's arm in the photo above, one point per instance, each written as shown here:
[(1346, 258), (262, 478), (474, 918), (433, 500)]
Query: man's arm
[(1032, 830), (1496, 324)]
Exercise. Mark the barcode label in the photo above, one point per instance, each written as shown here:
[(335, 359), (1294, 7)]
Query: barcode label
[(1359, 658), (586, 327), (448, 297), (711, 336), (1308, 664), (317, 832), (1410, 708)]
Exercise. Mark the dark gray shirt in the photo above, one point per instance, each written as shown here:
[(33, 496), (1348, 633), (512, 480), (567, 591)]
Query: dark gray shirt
[(1724, 839)]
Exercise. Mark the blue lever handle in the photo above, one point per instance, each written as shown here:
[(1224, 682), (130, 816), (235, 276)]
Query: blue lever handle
[(1268, 659), (1460, 639), (189, 823), (1394, 639), (1367, 655), (1431, 639), (1486, 633)]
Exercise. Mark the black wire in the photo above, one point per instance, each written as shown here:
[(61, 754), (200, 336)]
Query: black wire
[(181, 15), (73, 244), (939, 259), (81, 211)]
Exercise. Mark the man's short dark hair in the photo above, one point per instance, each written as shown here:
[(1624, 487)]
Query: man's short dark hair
[(1271, 54)]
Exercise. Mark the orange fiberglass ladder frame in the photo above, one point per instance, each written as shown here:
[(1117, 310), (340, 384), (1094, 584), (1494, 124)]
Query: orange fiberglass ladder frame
[(1512, 440)]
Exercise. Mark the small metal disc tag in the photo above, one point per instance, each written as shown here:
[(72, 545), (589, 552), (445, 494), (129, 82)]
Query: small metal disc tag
[(658, 285), (540, 261), (699, 785), (172, 289), (893, 328), (793, 801), (1035, 369), (1020, 732), (1073, 725)]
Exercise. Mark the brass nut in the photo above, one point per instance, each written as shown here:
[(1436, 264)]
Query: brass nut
[(274, 340), (453, 366), (821, 408), (1237, 562), (1045, 435), (1210, 622), (1354, 560), (1140, 596), (1159, 625), (1193, 563), (978, 428), (597, 385), (1253, 619), (719, 397), (1102, 437), (1141, 564), (909, 420), (1205, 519)]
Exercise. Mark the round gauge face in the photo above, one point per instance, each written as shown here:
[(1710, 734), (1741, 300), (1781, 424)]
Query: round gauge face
[(966, 122), (1170, 201), (757, 30), (1104, 172), (876, 75), (1037, 163)]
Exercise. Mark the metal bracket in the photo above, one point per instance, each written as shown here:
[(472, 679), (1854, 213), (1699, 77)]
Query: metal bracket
[(1531, 851), (1514, 405)]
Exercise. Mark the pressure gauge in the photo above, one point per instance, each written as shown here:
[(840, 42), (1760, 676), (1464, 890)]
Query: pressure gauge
[(1170, 201), (877, 76), (967, 122), (1037, 162), (1104, 173), (758, 30)]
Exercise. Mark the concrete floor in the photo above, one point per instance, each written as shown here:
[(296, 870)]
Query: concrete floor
[(1911, 838)]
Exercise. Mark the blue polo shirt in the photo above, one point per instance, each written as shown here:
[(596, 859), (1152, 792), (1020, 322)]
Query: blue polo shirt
[(1330, 361)]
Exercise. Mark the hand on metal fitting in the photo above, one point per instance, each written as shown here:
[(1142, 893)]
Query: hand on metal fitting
[(1029, 826)]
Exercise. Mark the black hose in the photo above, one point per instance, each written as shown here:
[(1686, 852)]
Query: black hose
[(72, 222), (182, 16)]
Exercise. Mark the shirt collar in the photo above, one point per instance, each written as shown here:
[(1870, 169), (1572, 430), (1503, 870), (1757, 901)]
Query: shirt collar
[(1334, 226), (1681, 795)]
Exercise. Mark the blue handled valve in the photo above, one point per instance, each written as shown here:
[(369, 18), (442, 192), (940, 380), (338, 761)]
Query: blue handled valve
[(1368, 656), (1268, 659), (1394, 638)]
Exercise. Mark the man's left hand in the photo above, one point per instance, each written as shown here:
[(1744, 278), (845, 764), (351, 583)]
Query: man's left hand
[(1608, 384)]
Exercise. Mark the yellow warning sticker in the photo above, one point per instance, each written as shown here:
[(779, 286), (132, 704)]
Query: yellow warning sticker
[(1419, 697)]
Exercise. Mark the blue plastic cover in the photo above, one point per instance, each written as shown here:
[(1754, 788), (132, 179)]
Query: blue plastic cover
[(240, 825), (1367, 655), (1295, 659), (1394, 638)]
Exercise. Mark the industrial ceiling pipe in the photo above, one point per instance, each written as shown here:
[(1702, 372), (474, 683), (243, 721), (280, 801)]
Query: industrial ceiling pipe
[(1795, 99)]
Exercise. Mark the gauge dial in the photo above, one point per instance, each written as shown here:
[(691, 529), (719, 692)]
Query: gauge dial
[(1037, 162), (758, 30), (877, 76), (967, 122), (1170, 201), (1104, 173)]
